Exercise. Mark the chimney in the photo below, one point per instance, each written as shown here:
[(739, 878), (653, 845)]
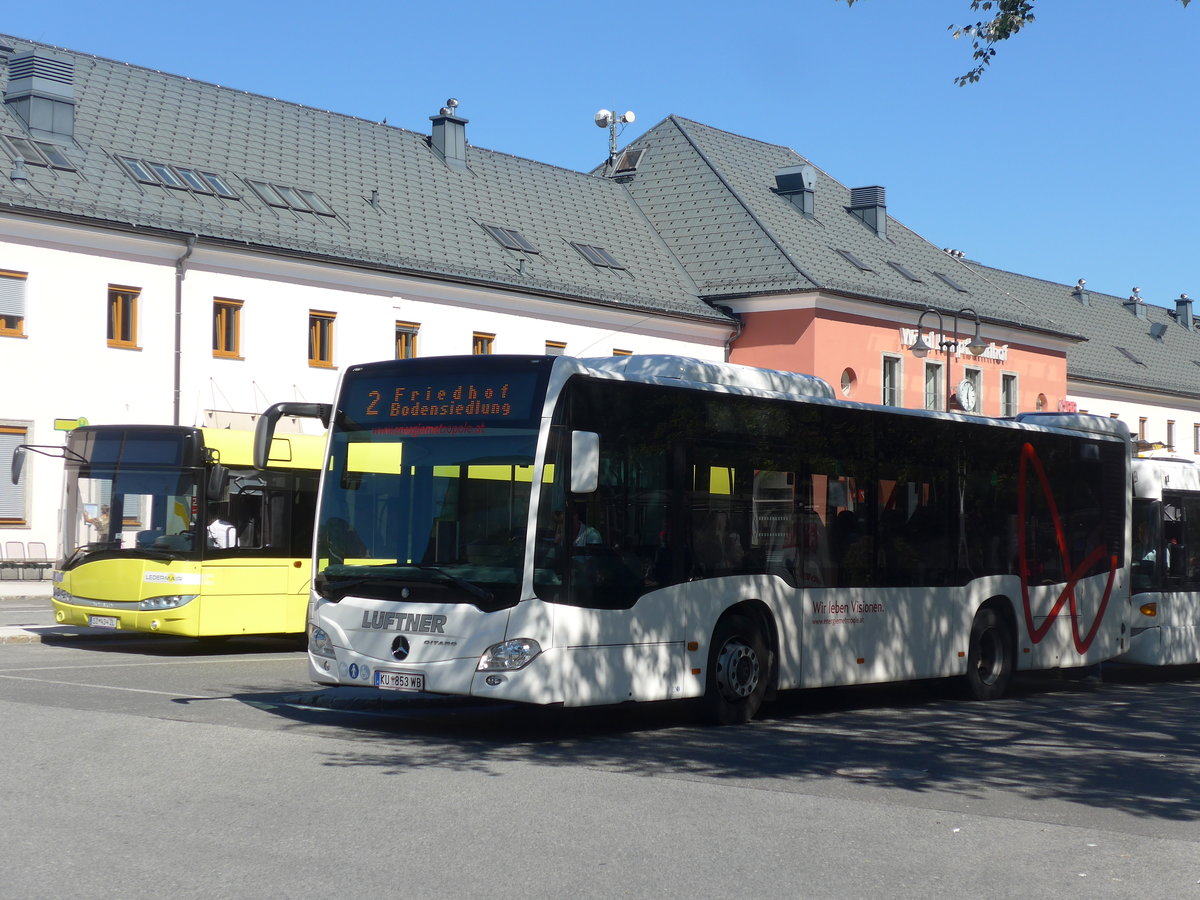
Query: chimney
[(870, 205), (41, 92), (798, 184), (1183, 312), (1135, 304), (449, 139)]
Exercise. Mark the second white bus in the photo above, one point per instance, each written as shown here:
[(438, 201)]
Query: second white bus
[(1166, 563)]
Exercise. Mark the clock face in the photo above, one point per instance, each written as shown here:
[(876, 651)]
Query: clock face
[(966, 395)]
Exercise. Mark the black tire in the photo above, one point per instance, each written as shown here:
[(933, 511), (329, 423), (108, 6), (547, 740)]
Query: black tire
[(738, 671), (991, 657)]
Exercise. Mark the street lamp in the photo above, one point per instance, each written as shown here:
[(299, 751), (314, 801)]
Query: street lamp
[(920, 349)]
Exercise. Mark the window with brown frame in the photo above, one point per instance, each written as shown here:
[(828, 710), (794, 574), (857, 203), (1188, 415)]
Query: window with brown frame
[(320, 338), (12, 303), (227, 328), (122, 316), (406, 340), (481, 343), (13, 497)]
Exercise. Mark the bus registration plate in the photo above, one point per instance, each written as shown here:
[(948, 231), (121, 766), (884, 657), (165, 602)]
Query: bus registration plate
[(103, 622), (400, 681)]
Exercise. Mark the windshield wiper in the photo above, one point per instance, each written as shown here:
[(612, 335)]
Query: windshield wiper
[(470, 587), (336, 588)]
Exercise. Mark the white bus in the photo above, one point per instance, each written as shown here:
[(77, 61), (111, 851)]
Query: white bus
[(1165, 563), (592, 531)]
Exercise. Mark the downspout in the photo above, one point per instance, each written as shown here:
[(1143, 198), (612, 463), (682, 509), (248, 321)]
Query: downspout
[(180, 273), (737, 329)]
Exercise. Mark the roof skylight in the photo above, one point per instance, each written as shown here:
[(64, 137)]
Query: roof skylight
[(38, 153), (952, 283), (510, 238), (905, 271), (285, 196), (597, 256), (854, 261), (1129, 356), (628, 162), (181, 178)]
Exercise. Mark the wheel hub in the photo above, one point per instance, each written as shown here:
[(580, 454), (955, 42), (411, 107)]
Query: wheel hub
[(738, 670)]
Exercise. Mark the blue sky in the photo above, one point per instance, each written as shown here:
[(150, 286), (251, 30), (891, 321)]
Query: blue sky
[(1074, 157)]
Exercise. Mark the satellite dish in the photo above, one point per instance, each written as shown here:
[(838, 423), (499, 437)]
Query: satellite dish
[(629, 116), (603, 118)]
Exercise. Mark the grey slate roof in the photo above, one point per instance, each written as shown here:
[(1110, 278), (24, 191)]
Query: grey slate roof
[(428, 218), (1167, 364), (709, 193)]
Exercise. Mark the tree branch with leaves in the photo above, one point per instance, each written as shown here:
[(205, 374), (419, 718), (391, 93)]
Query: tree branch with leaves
[(1007, 18)]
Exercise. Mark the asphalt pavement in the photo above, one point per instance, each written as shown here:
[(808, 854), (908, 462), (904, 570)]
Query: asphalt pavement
[(26, 616)]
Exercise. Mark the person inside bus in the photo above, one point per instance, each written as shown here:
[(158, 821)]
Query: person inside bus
[(100, 522), (222, 533), (718, 548), (585, 534)]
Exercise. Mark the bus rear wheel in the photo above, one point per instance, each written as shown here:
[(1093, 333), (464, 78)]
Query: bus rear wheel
[(737, 672), (990, 657)]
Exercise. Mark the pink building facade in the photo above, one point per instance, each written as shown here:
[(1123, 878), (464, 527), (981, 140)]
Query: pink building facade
[(864, 351)]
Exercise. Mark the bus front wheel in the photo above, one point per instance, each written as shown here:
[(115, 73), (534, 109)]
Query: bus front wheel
[(990, 656), (737, 672)]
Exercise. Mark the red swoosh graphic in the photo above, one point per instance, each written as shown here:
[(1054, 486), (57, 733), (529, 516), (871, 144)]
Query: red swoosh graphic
[(1082, 642)]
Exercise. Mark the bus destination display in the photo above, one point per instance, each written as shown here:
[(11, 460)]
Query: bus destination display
[(435, 398)]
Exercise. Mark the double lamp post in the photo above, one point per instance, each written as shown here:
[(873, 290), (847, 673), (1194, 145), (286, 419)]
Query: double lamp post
[(948, 343)]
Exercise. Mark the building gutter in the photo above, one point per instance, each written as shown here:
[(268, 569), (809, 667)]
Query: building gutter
[(180, 274)]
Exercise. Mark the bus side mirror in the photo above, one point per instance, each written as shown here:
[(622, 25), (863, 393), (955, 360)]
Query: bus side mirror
[(585, 462), (18, 463), (218, 482), (264, 429)]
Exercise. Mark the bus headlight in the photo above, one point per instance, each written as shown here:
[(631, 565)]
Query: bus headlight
[(171, 601), (319, 643), (509, 655)]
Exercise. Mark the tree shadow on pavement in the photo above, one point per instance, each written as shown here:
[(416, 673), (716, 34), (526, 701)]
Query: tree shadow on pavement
[(1130, 744)]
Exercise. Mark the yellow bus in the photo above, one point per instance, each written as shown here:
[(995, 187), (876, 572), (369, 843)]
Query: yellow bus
[(171, 530)]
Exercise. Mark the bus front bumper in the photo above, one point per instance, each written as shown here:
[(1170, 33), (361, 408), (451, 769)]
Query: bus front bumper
[(167, 615)]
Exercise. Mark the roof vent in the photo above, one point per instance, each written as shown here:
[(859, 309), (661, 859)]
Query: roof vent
[(1079, 293), (870, 205), (1183, 312), (449, 139), (1136, 304), (41, 92), (1157, 330), (798, 184)]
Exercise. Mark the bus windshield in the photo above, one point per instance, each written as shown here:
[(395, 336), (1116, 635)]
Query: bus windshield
[(428, 483), (127, 494)]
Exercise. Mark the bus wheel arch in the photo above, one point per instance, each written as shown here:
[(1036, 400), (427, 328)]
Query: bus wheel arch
[(741, 670), (992, 651)]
